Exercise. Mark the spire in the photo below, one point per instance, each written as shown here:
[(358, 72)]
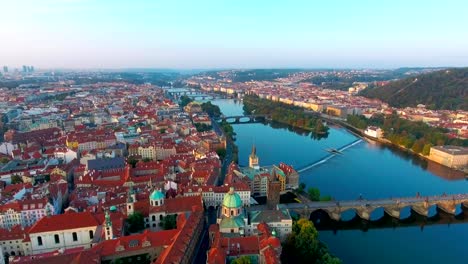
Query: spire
[(254, 150), (150, 184), (131, 197), (48, 211), (108, 220)]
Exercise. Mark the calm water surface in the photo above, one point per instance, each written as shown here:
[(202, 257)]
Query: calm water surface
[(366, 169)]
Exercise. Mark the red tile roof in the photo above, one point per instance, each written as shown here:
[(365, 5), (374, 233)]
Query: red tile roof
[(64, 222)]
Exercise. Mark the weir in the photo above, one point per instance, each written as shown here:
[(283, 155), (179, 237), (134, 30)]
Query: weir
[(324, 159)]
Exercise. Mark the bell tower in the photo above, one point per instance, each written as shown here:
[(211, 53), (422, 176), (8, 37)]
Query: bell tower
[(253, 159)]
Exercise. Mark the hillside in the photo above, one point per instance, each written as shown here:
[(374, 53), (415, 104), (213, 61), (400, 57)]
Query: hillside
[(446, 89)]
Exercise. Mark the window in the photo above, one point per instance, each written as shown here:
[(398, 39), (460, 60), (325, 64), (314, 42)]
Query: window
[(153, 217), (39, 241), (75, 236), (91, 235), (57, 239), (232, 212), (160, 217)]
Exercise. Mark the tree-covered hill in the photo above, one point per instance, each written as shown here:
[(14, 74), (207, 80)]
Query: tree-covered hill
[(445, 89)]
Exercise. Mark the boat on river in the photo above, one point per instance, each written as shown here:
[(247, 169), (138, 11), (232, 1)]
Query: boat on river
[(333, 151)]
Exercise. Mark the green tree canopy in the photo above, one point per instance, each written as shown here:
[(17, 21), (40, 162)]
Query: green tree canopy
[(16, 179), (242, 260), (185, 100), (169, 222), (303, 246), (314, 194), (136, 222)]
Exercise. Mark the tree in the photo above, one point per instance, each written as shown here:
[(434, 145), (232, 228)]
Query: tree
[(185, 100), (303, 246), (314, 194), (136, 222), (418, 145), (211, 109), (221, 153), (132, 161), (203, 127), (169, 222), (146, 160), (427, 149), (301, 187), (242, 260), (16, 179), (320, 128), (4, 160)]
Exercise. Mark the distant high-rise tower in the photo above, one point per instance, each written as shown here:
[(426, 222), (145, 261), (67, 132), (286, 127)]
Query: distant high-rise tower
[(253, 159), (31, 68), (5, 69), (25, 68)]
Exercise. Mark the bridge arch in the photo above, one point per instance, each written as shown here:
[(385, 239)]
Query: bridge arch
[(320, 215), (450, 207), (230, 119), (377, 213), (244, 119), (405, 212), (348, 214)]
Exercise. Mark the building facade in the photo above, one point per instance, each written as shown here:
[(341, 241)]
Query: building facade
[(450, 156)]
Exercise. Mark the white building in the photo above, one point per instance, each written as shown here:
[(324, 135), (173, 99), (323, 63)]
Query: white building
[(214, 195), (63, 231), (25, 212), (375, 132)]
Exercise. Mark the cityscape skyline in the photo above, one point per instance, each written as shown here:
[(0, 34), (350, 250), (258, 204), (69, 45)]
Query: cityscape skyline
[(82, 34)]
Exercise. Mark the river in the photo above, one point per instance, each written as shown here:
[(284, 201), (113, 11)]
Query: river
[(364, 169)]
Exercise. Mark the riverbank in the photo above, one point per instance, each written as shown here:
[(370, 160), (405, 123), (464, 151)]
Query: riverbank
[(376, 171), (285, 114), (360, 133)]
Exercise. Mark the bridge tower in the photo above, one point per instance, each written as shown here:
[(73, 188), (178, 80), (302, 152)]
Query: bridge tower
[(253, 159)]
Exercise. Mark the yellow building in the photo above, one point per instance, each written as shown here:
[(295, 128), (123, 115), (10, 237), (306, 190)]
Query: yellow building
[(450, 156)]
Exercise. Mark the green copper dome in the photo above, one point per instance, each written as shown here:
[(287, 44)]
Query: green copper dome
[(156, 195), (232, 199), (113, 208), (273, 233)]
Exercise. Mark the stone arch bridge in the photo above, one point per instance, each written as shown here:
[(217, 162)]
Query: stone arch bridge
[(243, 119), (392, 207)]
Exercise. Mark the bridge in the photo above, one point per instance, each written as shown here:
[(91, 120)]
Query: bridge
[(194, 93), (363, 208), (243, 119)]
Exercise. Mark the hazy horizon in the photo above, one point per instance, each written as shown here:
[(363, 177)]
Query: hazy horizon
[(213, 35)]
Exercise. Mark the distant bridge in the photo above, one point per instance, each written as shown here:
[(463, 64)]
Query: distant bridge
[(364, 208), (195, 94), (243, 119)]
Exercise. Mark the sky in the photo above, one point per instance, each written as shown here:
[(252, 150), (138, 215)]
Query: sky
[(199, 34)]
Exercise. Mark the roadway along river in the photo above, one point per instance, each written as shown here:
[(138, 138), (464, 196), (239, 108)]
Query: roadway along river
[(370, 170)]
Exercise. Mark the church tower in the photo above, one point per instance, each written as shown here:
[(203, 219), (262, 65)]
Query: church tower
[(108, 227), (131, 199), (253, 159)]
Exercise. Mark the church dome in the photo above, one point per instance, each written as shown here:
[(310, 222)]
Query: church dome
[(156, 195), (232, 199)]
